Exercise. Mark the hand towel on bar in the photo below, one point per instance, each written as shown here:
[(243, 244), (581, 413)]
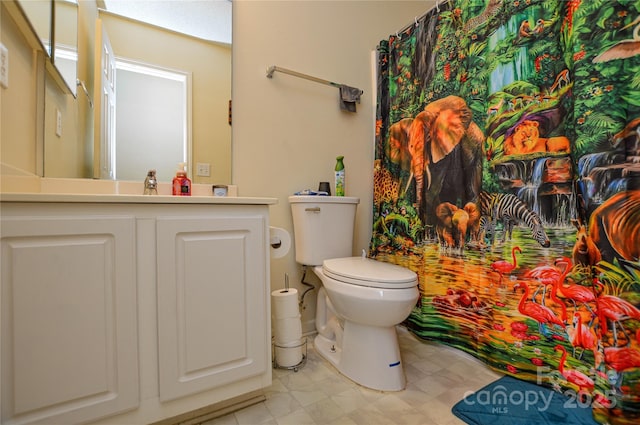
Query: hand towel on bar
[(348, 98)]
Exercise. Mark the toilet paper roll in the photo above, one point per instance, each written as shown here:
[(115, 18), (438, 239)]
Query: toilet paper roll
[(285, 303), (279, 242), (287, 330), (288, 356)]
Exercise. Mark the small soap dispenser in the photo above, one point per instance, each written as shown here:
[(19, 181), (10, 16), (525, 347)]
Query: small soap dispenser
[(340, 178), (181, 183), (151, 183)]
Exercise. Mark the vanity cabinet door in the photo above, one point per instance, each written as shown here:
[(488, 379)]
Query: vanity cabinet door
[(68, 303), (211, 302)]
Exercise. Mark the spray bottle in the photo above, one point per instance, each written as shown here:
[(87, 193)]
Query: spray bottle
[(340, 177)]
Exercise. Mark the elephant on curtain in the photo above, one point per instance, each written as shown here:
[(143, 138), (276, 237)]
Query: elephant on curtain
[(445, 147)]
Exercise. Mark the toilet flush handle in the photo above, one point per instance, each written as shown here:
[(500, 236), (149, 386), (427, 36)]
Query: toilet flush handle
[(313, 209)]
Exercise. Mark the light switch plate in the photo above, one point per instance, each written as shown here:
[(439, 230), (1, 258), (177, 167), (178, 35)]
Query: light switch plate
[(203, 170), (4, 66)]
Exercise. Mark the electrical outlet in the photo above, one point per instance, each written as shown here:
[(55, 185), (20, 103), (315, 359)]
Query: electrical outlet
[(58, 123), (203, 170), (4, 66)]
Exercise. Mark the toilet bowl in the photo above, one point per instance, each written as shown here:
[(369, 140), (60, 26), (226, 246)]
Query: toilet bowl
[(366, 299), (361, 300)]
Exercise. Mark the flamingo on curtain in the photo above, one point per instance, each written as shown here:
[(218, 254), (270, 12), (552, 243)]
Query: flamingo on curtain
[(502, 266), (540, 313), (621, 359), (574, 376), (581, 336), (575, 293), (615, 309)]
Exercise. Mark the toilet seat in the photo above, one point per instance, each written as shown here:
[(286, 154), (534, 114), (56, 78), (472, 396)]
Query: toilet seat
[(364, 271)]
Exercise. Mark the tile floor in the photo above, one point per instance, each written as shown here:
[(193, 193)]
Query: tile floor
[(437, 378)]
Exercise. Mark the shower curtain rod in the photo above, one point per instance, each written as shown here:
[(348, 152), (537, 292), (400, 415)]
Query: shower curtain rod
[(274, 68), (416, 19)]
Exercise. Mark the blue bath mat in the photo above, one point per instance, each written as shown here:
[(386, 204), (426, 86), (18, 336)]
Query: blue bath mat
[(510, 401)]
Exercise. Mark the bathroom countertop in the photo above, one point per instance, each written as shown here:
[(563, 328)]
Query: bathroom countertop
[(134, 199), (31, 188)]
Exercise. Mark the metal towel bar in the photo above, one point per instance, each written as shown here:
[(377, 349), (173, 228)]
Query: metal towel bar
[(274, 68)]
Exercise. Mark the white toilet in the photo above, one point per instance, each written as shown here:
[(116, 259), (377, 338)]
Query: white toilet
[(361, 300)]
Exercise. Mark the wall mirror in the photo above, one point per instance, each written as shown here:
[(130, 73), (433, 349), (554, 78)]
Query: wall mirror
[(154, 34), (39, 14), (55, 25)]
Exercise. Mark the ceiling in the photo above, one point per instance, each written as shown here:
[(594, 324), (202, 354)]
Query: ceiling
[(206, 19)]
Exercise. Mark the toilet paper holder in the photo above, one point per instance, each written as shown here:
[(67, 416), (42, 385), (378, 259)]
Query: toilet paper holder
[(279, 242), (302, 345)]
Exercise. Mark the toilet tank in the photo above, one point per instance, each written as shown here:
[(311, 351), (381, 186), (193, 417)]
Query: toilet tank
[(323, 227)]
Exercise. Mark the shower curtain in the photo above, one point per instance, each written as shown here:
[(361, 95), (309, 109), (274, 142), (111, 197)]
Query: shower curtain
[(507, 175)]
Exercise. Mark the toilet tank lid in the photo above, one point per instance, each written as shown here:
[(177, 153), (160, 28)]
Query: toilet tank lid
[(368, 272), (323, 199)]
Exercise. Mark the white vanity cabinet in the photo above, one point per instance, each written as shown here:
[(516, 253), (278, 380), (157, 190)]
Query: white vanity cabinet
[(131, 310)]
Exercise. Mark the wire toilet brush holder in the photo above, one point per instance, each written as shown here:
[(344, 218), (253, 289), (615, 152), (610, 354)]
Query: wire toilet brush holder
[(283, 349)]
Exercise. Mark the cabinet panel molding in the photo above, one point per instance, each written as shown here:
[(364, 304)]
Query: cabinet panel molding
[(211, 301), (68, 299)]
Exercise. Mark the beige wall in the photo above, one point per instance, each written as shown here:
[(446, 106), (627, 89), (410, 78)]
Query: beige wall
[(18, 101), (287, 131)]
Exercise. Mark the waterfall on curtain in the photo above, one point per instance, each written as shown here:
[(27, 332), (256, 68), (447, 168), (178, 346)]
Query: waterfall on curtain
[(507, 175)]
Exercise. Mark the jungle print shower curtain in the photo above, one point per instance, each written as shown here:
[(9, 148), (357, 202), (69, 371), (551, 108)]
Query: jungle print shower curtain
[(507, 175)]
